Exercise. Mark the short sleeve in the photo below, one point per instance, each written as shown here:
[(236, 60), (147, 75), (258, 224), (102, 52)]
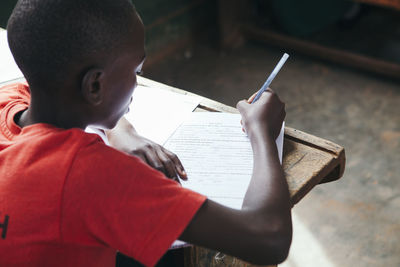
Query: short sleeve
[(13, 99), (115, 200), (12, 92)]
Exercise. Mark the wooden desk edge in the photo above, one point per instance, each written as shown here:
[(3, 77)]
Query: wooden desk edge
[(338, 153)]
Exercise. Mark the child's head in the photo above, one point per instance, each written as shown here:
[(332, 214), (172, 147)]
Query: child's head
[(83, 55)]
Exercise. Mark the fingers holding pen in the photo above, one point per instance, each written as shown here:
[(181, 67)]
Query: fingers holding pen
[(244, 106), (268, 112), (266, 104), (253, 96)]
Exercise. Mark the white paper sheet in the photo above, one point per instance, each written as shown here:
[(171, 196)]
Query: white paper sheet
[(157, 113), (8, 68), (217, 156)]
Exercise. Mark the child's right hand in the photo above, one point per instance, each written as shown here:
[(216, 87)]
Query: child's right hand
[(264, 116)]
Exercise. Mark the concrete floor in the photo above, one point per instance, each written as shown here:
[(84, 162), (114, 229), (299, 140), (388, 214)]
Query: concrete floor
[(351, 222)]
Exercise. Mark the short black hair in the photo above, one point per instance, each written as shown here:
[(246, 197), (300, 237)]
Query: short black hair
[(47, 37)]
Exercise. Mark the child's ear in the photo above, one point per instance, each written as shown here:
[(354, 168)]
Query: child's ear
[(92, 86)]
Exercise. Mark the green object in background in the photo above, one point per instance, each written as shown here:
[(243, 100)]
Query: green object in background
[(6, 7), (304, 17)]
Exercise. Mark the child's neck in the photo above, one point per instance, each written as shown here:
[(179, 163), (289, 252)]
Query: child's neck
[(50, 113)]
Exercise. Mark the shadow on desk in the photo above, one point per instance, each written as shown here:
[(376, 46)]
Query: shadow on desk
[(173, 258)]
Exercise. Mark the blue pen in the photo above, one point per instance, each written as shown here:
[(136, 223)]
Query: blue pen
[(271, 77)]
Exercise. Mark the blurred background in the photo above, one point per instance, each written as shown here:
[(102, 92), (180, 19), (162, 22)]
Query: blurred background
[(340, 83)]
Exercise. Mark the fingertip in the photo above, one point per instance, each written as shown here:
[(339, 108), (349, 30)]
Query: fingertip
[(251, 98), (183, 175)]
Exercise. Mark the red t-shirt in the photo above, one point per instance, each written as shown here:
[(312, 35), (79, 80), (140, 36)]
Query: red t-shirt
[(67, 199)]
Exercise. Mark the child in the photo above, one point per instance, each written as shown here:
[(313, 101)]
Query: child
[(67, 199)]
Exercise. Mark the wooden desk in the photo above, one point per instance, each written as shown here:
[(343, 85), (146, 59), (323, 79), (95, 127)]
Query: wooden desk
[(307, 161)]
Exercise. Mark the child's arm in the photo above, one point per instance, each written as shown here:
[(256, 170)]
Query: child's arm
[(261, 231), (125, 138)]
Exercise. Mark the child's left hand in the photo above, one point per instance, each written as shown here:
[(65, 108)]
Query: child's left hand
[(124, 138)]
